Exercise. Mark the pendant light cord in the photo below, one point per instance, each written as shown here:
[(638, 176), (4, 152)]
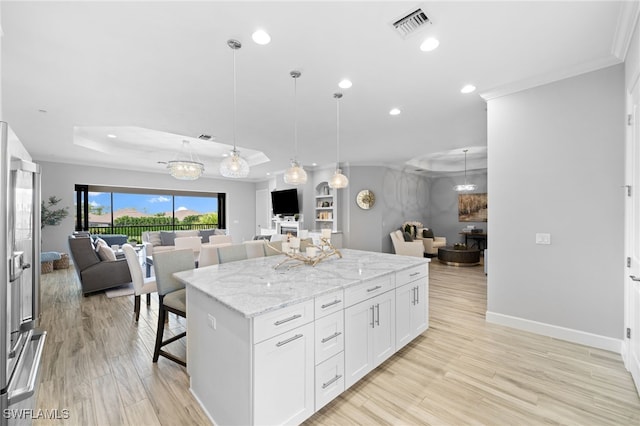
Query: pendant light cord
[(337, 96), (295, 119), (235, 101)]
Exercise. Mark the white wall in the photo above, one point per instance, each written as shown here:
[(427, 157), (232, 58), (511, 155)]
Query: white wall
[(556, 166), (59, 179)]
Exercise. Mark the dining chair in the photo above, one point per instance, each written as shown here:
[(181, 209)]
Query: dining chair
[(220, 239), (304, 243), (255, 248), (232, 253), (193, 243), (141, 285), (208, 255), (270, 246), (172, 296)]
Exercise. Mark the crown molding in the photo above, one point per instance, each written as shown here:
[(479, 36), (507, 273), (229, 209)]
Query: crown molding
[(547, 78), (627, 20)]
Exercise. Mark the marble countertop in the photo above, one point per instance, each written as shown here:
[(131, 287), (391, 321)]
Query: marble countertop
[(253, 287)]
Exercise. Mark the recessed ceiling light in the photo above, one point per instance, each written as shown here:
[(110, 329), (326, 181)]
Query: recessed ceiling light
[(111, 135), (268, 174), (469, 88), (394, 111), (225, 155), (261, 37), (314, 164), (345, 84), (429, 44)]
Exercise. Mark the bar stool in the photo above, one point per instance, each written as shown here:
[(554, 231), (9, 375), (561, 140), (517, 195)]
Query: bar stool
[(171, 294)]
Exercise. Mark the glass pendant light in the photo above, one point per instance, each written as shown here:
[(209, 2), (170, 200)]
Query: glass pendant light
[(295, 175), (466, 186), (338, 180), (184, 167), (234, 166)]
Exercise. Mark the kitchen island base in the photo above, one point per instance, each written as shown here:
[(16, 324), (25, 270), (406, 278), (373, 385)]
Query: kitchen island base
[(283, 365)]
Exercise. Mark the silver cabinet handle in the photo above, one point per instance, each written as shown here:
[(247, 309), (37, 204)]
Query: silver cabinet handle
[(326, 305), (417, 295), (373, 318), (280, 322), (289, 340), (378, 309), (335, 379), (634, 278), (333, 336), (414, 274), (413, 296), (374, 288)]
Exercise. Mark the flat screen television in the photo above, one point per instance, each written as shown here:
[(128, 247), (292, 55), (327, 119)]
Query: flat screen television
[(285, 202)]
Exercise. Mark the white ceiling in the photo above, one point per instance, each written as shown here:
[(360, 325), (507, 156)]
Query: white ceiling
[(122, 67)]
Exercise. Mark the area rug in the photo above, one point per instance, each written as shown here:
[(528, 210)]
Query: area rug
[(123, 290)]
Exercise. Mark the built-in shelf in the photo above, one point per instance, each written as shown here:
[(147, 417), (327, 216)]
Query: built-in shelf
[(325, 208)]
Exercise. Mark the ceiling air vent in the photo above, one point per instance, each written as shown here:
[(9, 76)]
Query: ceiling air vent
[(411, 23)]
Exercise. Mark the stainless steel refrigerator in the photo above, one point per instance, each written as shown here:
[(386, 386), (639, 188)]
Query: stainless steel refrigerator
[(21, 343)]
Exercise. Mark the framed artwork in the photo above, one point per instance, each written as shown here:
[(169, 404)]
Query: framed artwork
[(472, 207)]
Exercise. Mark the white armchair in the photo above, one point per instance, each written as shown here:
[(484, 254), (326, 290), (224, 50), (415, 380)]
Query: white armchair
[(406, 248), (430, 242)]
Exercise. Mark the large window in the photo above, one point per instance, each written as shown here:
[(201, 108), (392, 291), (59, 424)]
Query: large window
[(131, 211)]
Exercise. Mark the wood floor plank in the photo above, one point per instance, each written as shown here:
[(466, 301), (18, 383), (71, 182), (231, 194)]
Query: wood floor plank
[(97, 364)]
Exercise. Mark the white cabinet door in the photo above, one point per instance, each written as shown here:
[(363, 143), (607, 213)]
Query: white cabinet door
[(404, 301), (411, 311), (369, 328), (358, 330), (384, 328), (420, 310), (284, 378)]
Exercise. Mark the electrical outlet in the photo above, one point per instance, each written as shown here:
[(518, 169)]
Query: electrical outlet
[(543, 238), (212, 321)]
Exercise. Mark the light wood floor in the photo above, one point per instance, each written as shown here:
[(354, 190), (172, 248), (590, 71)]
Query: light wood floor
[(97, 364)]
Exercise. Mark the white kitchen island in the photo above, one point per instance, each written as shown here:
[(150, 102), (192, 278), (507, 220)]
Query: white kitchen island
[(270, 346)]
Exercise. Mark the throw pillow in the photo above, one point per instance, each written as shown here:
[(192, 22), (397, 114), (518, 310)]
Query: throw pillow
[(99, 243), (167, 238), (154, 238), (106, 253), (206, 233), (407, 236), (427, 233)]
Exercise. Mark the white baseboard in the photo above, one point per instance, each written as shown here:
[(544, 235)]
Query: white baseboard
[(557, 332)]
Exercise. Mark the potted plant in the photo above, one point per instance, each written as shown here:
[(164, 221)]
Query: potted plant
[(50, 214)]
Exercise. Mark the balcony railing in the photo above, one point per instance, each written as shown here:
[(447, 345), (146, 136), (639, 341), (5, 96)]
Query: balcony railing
[(135, 231)]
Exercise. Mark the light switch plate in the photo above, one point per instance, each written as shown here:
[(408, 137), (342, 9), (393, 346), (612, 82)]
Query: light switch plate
[(542, 238)]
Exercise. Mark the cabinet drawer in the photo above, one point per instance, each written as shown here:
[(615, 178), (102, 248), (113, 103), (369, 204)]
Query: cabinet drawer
[(329, 303), (329, 334), (329, 380), (411, 274), (368, 289), (285, 319)]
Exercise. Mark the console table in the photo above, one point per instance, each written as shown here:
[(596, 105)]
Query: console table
[(479, 237)]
